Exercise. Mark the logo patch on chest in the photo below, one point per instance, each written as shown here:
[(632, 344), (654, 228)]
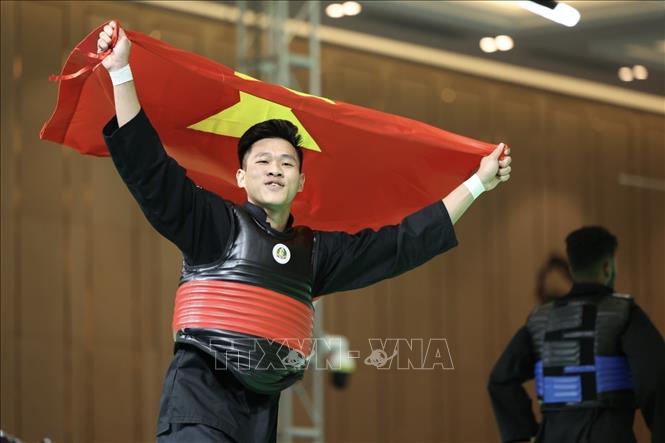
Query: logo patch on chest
[(281, 254)]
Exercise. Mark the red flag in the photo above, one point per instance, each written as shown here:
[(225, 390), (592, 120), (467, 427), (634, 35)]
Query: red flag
[(364, 168)]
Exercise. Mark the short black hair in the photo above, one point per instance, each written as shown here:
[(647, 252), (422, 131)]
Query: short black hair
[(587, 246), (274, 128)]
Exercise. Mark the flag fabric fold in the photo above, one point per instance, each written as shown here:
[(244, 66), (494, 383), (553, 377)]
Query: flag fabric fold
[(364, 168)]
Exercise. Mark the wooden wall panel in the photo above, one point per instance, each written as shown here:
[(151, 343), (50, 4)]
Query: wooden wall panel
[(644, 278), (566, 180), (470, 113), (365, 386), (38, 234), (518, 232), (413, 415), (354, 79), (442, 271), (411, 92), (176, 33), (651, 219), (9, 286), (611, 135), (104, 302), (112, 335)]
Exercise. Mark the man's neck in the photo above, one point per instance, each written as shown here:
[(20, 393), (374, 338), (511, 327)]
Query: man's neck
[(277, 219), (591, 282)]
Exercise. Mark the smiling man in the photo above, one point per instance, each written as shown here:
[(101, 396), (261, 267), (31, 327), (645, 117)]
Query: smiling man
[(244, 304), (270, 157)]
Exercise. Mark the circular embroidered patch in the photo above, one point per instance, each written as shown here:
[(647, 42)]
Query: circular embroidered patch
[(281, 253)]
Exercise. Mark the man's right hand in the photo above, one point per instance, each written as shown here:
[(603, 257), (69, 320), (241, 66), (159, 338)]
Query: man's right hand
[(127, 104), (493, 171), (119, 56)]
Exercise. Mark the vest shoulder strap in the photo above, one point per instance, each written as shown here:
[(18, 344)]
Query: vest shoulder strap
[(622, 296)]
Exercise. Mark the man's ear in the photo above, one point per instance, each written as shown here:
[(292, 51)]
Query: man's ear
[(301, 182), (240, 178)]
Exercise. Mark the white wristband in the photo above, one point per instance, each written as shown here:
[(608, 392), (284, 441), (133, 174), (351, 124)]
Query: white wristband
[(475, 186), (122, 75)]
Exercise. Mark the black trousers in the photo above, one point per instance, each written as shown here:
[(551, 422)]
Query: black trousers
[(202, 402), (587, 426), (192, 432)]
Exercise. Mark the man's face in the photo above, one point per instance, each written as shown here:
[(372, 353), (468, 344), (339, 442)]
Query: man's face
[(271, 175)]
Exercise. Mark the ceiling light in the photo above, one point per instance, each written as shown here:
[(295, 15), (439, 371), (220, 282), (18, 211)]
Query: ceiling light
[(487, 44), (625, 74), (335, 10), (556, 11), (503, 43), (640, 72), (351, 8)]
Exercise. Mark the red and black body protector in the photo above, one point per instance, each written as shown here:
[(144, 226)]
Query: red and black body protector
[(252, 309)]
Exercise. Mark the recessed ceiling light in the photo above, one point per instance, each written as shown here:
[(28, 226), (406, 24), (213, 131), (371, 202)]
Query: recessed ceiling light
[(504, 43), (352, 8), (625, 74), (640, 72), (335, 10), (487, 44)]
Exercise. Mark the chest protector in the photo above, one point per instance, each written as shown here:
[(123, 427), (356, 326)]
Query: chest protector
[(579, 363), (252, 309)]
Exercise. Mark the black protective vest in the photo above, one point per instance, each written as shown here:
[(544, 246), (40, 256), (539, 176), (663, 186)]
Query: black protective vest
[(579, 363), (251, 259)]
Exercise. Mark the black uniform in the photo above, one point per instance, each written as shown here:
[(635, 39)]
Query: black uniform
[(591, 401), (201, 224)]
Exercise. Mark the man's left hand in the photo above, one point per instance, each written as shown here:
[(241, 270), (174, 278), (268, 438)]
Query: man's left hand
[(493, 171)]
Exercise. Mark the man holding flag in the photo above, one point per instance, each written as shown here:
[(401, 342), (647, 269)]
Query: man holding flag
[(249, 276)]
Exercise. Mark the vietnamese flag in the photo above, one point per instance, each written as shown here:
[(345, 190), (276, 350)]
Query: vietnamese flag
[(364, 168)]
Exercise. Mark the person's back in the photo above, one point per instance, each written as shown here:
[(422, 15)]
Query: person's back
[(582, 375), (594, 354)]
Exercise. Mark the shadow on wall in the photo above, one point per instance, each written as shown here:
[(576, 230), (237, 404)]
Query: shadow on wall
[(554, 279)]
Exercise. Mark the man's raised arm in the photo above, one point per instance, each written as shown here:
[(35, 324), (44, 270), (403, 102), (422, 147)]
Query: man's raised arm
[(127, 104), (348, 261), (491, 172), (195, 220)]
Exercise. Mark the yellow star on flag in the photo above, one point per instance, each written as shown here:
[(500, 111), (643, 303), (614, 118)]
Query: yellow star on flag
[(235, 120)]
